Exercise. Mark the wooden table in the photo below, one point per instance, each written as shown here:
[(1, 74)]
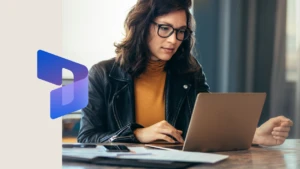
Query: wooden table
[(286, 155)]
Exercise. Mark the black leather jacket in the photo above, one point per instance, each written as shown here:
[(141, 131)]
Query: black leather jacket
[(110, 115)]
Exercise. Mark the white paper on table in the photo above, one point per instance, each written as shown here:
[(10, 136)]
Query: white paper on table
[(180, 156), (146, 154)]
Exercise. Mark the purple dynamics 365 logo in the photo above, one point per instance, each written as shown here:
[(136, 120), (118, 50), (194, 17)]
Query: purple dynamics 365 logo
[(71, 97)]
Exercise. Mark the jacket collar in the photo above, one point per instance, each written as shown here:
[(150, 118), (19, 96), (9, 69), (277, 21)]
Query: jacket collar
[(119, 74)]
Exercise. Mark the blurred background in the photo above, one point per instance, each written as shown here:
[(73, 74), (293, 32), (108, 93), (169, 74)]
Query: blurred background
[(242, 45)]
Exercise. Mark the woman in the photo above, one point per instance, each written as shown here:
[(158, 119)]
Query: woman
[(148, 91)]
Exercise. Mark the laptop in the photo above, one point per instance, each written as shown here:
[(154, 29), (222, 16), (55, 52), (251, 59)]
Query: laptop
[(221, 122)]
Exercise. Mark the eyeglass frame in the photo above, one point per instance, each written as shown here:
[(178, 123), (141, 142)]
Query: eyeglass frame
[(174, 29)]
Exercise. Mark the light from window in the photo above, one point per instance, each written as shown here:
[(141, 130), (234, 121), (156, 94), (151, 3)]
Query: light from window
[(293, 40), (90, 28)]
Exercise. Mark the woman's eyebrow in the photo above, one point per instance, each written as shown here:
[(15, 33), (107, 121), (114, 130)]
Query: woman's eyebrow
[(166, 23)]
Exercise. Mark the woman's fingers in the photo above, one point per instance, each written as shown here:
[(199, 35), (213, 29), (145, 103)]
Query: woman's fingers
[(167, 128), (173, 133), (279, 140), (164, 137), (282, 129), (169, 131), (280, 134), (287, 123)]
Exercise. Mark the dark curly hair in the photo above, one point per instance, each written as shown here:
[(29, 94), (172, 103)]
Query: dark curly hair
[(133, 52)]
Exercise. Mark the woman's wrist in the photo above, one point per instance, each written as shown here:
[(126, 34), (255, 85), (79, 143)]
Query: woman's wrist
[(135, 132), (255, 140)]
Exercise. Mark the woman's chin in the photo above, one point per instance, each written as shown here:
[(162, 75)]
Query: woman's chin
[(165, 57)]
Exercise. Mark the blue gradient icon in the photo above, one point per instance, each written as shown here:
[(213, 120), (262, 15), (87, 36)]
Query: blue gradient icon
[(68, 98)]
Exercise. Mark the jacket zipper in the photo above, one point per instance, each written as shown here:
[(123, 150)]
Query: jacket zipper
[(120, 137), (115, 111), (114, 106), (116, 135), (112, 138)]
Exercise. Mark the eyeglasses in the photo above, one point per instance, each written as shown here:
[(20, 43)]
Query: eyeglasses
[(165, 31)]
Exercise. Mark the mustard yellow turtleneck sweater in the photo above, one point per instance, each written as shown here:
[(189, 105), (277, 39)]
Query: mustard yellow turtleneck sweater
[(149, 94)]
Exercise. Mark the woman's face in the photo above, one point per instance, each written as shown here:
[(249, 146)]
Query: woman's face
[(164, 48)]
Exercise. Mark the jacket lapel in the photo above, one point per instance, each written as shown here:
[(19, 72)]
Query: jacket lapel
[(176, 91), (123, 97)]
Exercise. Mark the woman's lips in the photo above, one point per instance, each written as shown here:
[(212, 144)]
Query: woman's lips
[(168, 50)]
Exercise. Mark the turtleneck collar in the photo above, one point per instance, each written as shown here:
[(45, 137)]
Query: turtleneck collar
[(155, 67)]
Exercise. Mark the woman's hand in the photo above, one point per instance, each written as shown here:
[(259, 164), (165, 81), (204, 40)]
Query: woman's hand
[(273, 132), (158, 131)]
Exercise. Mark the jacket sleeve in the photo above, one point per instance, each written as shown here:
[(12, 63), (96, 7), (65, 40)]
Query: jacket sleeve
[(93, 124)]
